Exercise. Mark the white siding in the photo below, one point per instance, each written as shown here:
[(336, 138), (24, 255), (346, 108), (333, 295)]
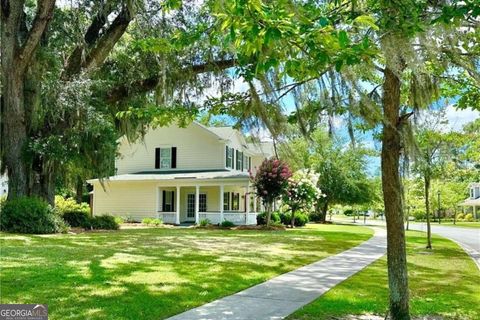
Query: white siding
[(126, 199), (196, 149)]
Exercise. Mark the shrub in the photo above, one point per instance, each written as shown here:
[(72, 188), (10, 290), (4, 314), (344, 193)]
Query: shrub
[(204, 222), (119, 220), (152, 221), (105, 222), (315, 217), (262, 218), (77, 219), (30, 215), (227, 224), (468, 217), (460, 216), (301, 219), (64, 205), (348, 212), (147, 221)]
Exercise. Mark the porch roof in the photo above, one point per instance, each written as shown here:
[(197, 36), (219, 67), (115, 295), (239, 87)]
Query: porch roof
[(471, 202), (178, 174)]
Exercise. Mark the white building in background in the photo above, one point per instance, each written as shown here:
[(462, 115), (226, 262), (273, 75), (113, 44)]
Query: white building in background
[(3, 185), (184, 175)]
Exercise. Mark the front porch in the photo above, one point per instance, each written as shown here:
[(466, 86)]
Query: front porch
[(203, 201)]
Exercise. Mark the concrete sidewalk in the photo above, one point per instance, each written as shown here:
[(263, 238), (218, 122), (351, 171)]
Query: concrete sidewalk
[(281, 296)]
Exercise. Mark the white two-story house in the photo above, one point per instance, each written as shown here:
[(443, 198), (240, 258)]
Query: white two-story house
[(474, 199), (183, 175)]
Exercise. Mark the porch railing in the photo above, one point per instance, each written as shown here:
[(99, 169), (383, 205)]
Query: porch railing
[(167, 217), (238, 218)]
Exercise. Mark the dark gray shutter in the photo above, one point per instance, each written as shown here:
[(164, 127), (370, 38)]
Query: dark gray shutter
[(243, 160), (157, 158), (173, 201), (226, 156), (236, 159), (174, 157), (249, 163), (163, 200)]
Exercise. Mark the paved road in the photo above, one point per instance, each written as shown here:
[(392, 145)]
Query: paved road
[(466, 236), (281, 296)]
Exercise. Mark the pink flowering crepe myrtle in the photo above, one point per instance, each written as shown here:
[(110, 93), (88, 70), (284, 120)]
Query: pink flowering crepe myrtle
[(271, 180)]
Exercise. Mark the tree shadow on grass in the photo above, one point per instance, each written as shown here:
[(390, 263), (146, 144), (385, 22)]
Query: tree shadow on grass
[(151, 273)]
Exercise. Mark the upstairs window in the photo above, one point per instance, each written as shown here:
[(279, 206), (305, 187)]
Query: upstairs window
[(229, 157), (166, 158), (477, 192), (239, 165)]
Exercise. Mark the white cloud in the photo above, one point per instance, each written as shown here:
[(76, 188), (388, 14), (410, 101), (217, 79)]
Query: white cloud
[(458, 118)]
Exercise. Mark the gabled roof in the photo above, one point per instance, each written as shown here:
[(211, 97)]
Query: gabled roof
[(262, 148)]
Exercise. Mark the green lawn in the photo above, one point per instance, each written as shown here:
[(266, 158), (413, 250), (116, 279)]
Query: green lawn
[(443, 282), (154, 273), (462, 224)]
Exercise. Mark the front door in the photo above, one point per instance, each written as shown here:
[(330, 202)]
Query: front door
[(191, 207)]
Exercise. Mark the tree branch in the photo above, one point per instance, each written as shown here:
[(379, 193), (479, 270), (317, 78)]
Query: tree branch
[(99, 46), (42, 17), (124, 91), (106, 43)]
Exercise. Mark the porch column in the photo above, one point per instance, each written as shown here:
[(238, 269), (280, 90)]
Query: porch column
[(177, 217), (474, 211), (254, 203), (247, 204), (197, 197), (221, 203)]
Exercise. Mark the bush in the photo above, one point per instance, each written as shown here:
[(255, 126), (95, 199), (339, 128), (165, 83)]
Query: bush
[(152, 221), (105, 222), (460, 216), (77, 219), (64, 205), (301, 219), (262, 218), (227, 224), (119, 220), (316, 217), (468, 217), (349, 212), (30, 215), (204, 222)]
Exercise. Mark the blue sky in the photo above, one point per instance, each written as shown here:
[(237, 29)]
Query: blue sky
[(456, 120)]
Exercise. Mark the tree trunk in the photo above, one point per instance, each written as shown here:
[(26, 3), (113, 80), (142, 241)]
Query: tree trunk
[(292, 220), (13, 124), (427, 211), (79, 187), (324, 212), (14, 133), (392, 197), (269, 213)]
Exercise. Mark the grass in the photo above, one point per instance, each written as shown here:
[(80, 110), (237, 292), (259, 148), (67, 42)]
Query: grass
[(473, 224), (154, 273), (442, 282)]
